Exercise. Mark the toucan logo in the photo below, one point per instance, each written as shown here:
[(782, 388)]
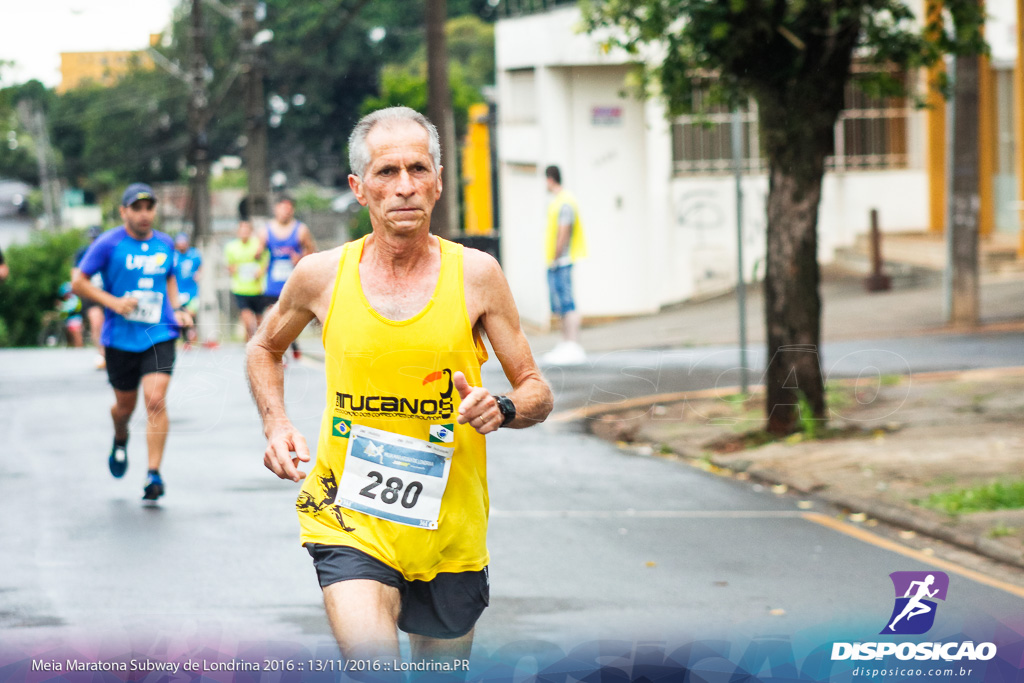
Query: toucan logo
[(434, 376), (424, 409)]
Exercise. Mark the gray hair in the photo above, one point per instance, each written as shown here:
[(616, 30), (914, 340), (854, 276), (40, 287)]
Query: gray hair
[(359, 154)]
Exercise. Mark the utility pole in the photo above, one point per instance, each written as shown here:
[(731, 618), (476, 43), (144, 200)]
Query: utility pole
[(198, 102), (445, 219), (965, 197), (202, 229), (255, 118), (32, 117), (741, 284)]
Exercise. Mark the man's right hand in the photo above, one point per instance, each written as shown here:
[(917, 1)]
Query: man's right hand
[(125, 305), (286, 447)]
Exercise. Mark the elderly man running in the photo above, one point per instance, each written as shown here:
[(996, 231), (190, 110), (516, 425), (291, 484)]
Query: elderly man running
[(394, 512)]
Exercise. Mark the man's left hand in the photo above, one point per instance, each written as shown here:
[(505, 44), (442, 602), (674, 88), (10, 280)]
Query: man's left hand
[(478, 407)]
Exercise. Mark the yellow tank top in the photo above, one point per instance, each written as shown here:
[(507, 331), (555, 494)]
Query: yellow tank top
[(577, 241), (395, 475)]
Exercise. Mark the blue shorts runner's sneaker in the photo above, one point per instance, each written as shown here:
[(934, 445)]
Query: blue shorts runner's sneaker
[(118, 460), (154, 486)]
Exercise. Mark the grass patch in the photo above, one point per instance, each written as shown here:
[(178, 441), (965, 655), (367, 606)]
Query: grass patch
[(999, 495), (1001, 530)]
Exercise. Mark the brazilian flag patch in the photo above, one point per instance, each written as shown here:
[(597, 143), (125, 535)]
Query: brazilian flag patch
[(442, 433), (341, 427)]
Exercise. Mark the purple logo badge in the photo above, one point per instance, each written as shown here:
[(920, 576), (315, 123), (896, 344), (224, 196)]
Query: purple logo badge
[(916, 593)]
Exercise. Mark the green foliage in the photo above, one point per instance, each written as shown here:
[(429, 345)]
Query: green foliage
[(1006, 495), (232, 178), (37, 271), (470, 68), (798, 53), (1000, 530), (470, 50), (309, 199), (399, 87), (404, 86), (132, 131), (360, 225), (17, 148), (136, 130), (810, 425)]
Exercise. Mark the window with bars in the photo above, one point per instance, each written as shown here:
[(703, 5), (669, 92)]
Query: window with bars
[(871, 134), (703, 144)]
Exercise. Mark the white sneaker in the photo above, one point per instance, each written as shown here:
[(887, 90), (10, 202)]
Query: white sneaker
[(566, 353)]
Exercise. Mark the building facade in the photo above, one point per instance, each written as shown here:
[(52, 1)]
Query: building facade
[(658, 197)]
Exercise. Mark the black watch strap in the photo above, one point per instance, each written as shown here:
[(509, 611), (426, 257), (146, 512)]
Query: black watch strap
[(507, 408)]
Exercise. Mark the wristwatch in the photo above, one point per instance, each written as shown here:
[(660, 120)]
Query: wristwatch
[(507, 408)]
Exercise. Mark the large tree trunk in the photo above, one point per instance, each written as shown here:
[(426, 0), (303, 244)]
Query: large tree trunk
[(796, 150), (792, 302)]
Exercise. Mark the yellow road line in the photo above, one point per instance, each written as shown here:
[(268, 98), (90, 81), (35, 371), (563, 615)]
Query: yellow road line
[(878, 541), (647, 514)]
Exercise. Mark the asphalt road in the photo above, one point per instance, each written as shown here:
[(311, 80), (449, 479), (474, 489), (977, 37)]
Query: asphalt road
[(587, 541)]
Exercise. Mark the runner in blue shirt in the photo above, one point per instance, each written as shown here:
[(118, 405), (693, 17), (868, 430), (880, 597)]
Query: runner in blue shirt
[(187, 271), (142, 319)]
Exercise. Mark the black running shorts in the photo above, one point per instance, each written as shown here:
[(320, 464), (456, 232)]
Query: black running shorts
[(447, 606), (254, 303), (125, 369)]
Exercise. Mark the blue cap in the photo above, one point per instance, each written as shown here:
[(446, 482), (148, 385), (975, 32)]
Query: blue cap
[(94, 231), (65, 289), (137, 191), (181, 238)]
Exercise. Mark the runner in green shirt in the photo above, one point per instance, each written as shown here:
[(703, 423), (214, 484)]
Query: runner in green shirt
[(247, 260)]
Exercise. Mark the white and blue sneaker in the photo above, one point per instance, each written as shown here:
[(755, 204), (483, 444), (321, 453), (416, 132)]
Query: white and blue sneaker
[(154, 486), (118, 460)]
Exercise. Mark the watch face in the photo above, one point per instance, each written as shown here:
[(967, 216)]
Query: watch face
[(507, 408)]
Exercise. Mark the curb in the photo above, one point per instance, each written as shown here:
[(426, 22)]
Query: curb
[(597, 410), (901, 517)]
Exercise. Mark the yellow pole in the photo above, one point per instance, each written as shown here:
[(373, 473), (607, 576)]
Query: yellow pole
[(987, 161), (476, 173), (936, 131), (1018, 111), (936, 150)]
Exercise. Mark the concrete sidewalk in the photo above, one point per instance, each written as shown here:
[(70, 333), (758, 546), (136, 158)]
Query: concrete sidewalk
[(914, 306)]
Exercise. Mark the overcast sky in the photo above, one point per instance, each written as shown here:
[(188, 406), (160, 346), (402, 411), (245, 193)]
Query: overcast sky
[(33, 33)]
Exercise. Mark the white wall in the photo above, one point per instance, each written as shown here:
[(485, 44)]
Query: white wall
[(654, 239), (703, 214)]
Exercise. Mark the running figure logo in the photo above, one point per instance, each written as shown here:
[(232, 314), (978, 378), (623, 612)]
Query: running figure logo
[(916, 592)]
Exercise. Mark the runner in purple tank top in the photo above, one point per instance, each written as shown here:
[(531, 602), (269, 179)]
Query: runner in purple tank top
[(288, 240)]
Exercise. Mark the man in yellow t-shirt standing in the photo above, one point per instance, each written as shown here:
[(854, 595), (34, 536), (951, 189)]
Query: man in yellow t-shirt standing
[(247, 258), (394, 511), (565, 244)]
